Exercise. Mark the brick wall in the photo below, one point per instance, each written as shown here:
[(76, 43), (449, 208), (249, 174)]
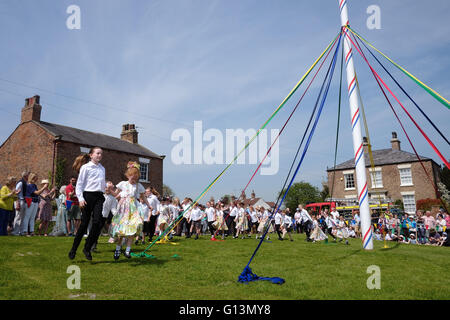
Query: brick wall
[(31, 148), (28, 148)]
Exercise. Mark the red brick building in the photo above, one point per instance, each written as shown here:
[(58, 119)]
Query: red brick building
[(49, 150), (397, 175)]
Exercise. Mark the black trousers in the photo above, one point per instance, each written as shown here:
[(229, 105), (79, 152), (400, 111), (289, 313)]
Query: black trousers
[(278, 230), (152, 225), (307, 228), (93, 209), (180, 226)]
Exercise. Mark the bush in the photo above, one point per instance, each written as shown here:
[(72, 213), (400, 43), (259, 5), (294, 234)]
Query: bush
[(427, 204)]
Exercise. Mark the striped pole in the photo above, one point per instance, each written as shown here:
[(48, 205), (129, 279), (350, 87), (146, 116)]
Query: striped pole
[(360, 164)]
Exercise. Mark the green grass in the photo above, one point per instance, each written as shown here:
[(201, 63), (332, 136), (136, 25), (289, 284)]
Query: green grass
[(36, 268)]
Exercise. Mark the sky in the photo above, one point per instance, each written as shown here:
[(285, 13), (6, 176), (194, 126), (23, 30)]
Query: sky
[(164, 65)]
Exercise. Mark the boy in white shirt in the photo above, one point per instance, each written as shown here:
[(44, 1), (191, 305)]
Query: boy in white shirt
[(196, 220)]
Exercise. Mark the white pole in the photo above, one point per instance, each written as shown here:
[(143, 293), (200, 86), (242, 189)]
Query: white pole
[(360, 164)]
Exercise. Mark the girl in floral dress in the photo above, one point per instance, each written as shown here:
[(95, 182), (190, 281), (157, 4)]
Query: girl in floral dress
[(128, 223)]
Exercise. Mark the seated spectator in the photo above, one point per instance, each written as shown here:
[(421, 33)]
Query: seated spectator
[(413, 239), (377, 235)]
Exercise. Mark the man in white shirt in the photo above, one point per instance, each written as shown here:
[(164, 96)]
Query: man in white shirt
[(335, 214)]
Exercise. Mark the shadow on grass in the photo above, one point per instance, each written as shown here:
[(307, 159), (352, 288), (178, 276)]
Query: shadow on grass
[(391, 248)]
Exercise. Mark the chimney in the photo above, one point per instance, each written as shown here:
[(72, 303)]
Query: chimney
[(395, 143), (129, 133), (365, 145), (32, 110)]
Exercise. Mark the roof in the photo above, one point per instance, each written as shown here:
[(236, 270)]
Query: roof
[(88, 138), (382, 157)]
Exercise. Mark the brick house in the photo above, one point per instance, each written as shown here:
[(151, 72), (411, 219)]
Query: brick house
[(397, 175), (49, 150)]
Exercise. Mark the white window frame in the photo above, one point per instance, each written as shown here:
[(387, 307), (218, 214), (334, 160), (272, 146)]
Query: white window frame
[(411, 208), (144, 163), (346, 173), (84, 150), (373, 178), (402, 182)]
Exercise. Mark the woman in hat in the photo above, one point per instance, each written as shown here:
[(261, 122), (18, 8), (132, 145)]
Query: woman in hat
[(45, 207)]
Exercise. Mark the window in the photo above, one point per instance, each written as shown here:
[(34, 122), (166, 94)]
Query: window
[(349, 181), (144, 163), (377, 179), (409, 203), (405, 177)]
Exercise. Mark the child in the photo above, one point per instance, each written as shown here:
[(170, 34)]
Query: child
[(144, 211), (264, 223), (287, 225), (342, 232), (164, 217), (220, 220), (60, 227), (89, 189), (211, 215), (278, 222), (128, 223), (317, 234), (196, 220), (241, 220), (109, 208)]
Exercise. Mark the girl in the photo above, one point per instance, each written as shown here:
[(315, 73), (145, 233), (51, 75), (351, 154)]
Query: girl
[(264, 223), (287, 225), (45, 207), (175, 210), (317, 234), (220, 220), (8, 194), (128, 223), (253, 220), (144, 211), (342, 232), (241, 220), (89, 189), (60, 227), (164, 217)]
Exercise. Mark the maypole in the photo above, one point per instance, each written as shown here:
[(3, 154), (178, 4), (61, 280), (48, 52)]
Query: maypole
[(360, 164)]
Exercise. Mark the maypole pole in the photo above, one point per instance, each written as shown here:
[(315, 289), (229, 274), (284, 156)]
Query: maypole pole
[(360, 164)]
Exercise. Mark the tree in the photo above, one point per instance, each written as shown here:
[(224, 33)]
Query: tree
[(167, 191), (445, 176), (325, 193), (300, 193)]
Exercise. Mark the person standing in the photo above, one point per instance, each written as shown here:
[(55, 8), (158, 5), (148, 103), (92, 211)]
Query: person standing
[(306, 222), (89, 189), (45, 207), (32, 201), (7, 196), (20, 204), (154, 204), (279, 220), (74, 212), (211, 215)]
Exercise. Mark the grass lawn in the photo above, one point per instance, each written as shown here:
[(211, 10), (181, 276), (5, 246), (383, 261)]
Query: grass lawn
[(36, 268)]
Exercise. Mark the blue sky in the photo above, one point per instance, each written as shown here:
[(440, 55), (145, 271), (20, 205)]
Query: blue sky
[(165, 64)]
